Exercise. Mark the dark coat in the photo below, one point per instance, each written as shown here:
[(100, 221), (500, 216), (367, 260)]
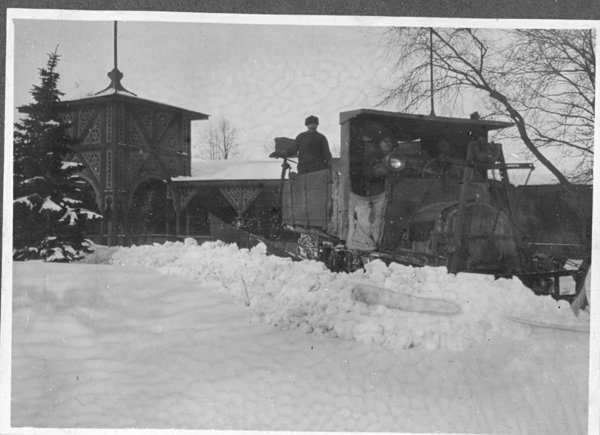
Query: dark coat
[(313, 152)]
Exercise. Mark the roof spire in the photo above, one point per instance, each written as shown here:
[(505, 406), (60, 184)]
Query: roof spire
[(115, 75)]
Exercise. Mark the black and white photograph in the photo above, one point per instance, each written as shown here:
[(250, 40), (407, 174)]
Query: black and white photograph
[(298, 223)]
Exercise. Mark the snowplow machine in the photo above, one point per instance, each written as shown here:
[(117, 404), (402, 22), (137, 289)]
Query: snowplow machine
[(418, 190)]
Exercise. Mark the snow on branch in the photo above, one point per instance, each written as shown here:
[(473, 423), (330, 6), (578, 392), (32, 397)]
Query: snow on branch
[(24, 200), (50, 205), (67, 165)]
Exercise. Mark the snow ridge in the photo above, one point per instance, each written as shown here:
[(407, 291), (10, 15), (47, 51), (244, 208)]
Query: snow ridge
[(306, 296)]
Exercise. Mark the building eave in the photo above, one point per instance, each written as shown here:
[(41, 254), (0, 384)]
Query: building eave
[(118, 96)]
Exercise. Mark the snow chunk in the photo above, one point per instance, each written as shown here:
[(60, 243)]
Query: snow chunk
[(260, 249)]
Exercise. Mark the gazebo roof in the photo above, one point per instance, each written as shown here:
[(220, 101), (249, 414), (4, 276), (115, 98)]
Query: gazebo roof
[(126, 97)]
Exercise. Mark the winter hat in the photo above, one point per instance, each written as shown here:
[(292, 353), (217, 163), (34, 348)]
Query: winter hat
[(311, 120)]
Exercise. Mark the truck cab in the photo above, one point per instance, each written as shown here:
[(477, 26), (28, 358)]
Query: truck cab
[(414, 189)]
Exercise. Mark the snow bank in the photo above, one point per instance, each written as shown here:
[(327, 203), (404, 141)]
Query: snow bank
[(107, 347), (306, 296), (99, 254)]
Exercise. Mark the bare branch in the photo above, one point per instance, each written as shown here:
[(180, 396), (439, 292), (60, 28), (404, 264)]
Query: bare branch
[(219, 141), (542, 80)]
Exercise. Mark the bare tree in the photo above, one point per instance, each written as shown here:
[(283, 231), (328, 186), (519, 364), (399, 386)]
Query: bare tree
[(541, 80), (557, 69), (219, 141)]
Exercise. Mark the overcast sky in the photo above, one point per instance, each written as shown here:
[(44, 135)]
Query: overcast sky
[(265, 78)]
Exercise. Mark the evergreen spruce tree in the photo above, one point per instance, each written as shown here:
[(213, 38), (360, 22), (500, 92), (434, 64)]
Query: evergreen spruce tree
[(48, 220)]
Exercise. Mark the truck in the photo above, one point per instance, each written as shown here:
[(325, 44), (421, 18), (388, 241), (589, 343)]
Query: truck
[(419, 190)]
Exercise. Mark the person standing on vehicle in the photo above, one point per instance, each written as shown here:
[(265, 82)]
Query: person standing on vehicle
[(312, 147)]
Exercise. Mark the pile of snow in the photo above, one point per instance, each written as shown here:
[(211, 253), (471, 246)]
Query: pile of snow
[(108, 346), (100, 254), (307, 296)]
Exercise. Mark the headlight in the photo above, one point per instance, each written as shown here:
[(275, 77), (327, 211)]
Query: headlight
[(395, 161)]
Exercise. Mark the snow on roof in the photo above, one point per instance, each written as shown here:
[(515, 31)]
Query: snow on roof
[(217, 170)]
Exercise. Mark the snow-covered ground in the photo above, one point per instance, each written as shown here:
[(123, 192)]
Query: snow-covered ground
[(213, 337)]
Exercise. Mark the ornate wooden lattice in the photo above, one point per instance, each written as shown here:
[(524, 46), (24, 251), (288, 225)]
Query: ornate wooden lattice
[(109, 123), (121, 124), (67, 117), (135, 134), (186, 195), (241, 198), (120, 167), (153, 165), (94, 136), (172, 167), (93, 161), (146, 118), (135, 161), (164, 119), (122, 141), (171, 141), (109, 172), (84, 117)]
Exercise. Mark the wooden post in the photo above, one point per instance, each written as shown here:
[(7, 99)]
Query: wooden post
[(284, 167), (167, 226), (114, 223), (510, 201), (102, 240), (126, 224), (457, 239)]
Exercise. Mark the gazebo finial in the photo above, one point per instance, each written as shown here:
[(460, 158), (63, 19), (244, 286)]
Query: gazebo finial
[(115, 75)]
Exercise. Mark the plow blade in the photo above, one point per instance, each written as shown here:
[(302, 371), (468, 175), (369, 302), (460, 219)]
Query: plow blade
[(219, 230)]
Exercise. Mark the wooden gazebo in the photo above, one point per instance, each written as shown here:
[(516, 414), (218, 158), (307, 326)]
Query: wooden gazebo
[(123, 141)]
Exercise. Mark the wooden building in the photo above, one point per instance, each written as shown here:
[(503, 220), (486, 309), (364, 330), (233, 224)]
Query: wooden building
[(124, 141), (244, 193)]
